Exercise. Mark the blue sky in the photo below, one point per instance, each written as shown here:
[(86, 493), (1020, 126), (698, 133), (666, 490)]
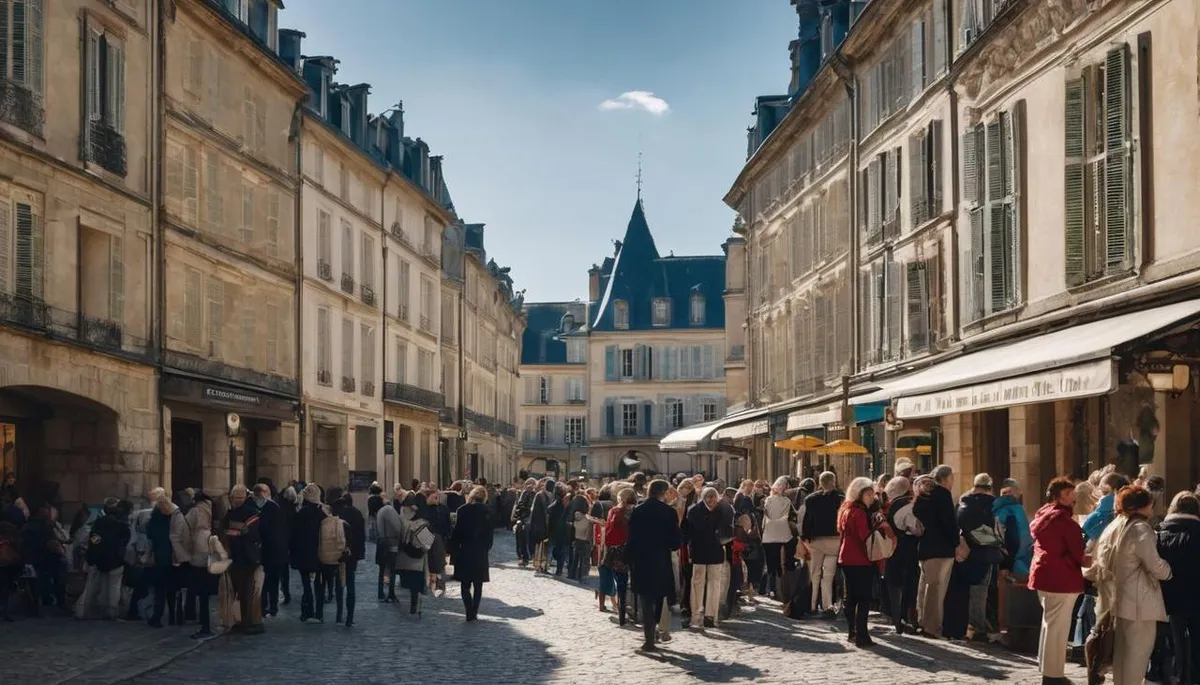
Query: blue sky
[(510, 92)]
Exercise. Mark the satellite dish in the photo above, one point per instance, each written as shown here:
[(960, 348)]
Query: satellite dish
[(630, 461)]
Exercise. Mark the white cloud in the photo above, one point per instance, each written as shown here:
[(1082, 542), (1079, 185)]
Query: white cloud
[(638, 99)]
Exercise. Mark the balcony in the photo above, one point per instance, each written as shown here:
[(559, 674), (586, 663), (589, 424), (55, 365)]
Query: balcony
[(397, 230), (368, 295), (483, 422), (506, 428), (21, 107), (576, 400), (29, 312), (426, 324), (106, 147), (368, 388), (403, 313), (404, 393), (348, 284), (324, 377), (347, 384), (324, 270), (448, 415), (100, 332)]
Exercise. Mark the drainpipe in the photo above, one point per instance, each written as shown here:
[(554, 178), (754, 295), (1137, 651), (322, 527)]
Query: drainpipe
[(955, 309), (462, 353), (303, 465), (157, 325), (383, 335)]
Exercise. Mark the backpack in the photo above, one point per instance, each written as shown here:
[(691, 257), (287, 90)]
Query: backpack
[(908, 522), (9, 555), (332, 546), (418, 541)]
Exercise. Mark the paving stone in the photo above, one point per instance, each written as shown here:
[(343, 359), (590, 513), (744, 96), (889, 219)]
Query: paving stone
[(532, 629)]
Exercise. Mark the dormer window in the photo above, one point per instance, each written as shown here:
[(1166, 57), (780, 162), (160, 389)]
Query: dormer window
[(345, 116), (697, 311), (620, 314), (662, 311)]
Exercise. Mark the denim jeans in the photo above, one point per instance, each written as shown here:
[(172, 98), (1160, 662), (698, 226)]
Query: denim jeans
[(977, 604), (345, 588), (1085, 620)]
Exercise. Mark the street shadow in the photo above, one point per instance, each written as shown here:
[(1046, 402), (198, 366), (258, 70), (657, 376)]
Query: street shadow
[(700, 668), (928, 655)]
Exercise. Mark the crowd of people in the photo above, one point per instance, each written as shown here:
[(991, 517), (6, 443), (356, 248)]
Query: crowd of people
[(1113, 566), (169, 559)]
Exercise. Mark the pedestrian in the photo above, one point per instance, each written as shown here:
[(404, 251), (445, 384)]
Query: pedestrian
[(522, 511), (436, 510), (934, 508), (977, 525), (706, 536), (776, 533), (1179, 546), (105, 559), (304, 539), (169, 537), (1056, 574), (470, 544), (818, 530), (272, 527), (902, 570), (412, 563), (857, 520), (244, 543), (355, 529), (374, 504), (287, 501), (201, 583), (389, 528), (653, 535), (539, 525)]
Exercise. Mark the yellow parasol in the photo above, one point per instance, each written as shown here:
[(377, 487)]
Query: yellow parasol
[(800, 443), (842, 447)]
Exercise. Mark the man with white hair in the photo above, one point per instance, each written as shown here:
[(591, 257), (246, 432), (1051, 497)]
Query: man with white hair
[(706, 535), (819, 532)]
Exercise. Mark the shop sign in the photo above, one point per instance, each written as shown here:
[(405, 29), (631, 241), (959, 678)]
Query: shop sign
[(1084, 380), (234, 396), (389, 438)]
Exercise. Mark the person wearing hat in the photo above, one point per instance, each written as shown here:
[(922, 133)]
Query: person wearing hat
[(105, 564), (977, 524)]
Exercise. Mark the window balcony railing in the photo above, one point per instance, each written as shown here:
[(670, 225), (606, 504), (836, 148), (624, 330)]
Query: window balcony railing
[(106, 147), (506, 428), (368, 388), (448, 415), (481, 421), (368, 295), (30, 312), (404, 393), (347, 383), (426, 324), (21, 107), (324, 377), (576, 400), (403, 313), (348, 284), (324, 270), (100, 332)]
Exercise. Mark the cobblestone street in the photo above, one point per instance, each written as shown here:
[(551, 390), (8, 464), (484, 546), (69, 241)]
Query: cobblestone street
[(532, 630)]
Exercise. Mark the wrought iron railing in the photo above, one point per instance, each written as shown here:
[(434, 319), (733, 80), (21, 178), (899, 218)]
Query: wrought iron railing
[(426, 324), (325, 377), (101, 332), (481, 421), (506, 428), (368, 388), (217, 369), (21, 107), (347, 383), (448, 415), (30, 312), (324, 270), (368, 295), (106, 147), (348, 284), (411, 394)]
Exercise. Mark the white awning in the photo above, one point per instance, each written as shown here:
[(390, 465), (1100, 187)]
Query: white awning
[(805, 420), (688, 439), (741, 431), (1027, 361)]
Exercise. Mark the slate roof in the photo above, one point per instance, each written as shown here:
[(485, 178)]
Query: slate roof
[(638, 275), (542, 341)]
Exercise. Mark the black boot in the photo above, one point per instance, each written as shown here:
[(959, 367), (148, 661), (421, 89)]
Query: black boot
[(349, 618), (621, 608)]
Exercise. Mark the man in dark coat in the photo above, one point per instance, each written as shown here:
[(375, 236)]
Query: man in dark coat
[(305, 536), (245, 551), (653, 535), (935, 550), (539, 524), (470, 544), (272, 527), (521, 519), (975, 512), (356, 542)]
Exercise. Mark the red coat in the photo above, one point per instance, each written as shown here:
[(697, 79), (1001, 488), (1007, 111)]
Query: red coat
[(1057, 551), (855, 528)]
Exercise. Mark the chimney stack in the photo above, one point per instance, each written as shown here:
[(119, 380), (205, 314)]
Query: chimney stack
[(594, 283), (358, 112)]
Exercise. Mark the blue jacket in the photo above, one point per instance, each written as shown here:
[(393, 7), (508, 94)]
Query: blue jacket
[(1018, 541), (1099, 519)]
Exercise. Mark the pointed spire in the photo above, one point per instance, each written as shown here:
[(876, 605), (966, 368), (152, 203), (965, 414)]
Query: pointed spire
[(638, 243)]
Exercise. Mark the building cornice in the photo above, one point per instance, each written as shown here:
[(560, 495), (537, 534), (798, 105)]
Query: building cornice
[(332, 139), (212, 18)]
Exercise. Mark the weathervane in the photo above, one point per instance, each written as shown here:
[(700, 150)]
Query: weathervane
[(639, 176)]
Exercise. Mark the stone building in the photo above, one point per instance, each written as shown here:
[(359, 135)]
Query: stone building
[(1017, 303), (229, 245), (554, 401), (78, 392)]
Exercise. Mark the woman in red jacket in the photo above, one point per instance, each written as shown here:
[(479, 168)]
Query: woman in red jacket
[(1056, 574), (855, 523)]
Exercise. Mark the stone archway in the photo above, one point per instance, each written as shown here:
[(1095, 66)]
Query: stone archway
[(67, 447)]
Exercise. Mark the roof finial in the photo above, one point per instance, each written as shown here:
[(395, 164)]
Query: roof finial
[(639, 177)]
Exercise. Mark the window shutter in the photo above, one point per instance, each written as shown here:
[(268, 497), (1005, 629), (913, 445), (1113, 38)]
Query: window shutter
[(707, 364), (368, 263), (30, 259), (1118, 168), (656, 363), (247, 233), (895, 331), (916, 179), (864, 205), (347, 249), (997, 276), (939, 37), (977, 270), (994, 162), (191, 185), (216, 316), (273, 223), (1013, 128), (889, 191), (970, 170), (610, 428), (917, 58), (933, 161), (194, 60), (212, 190), (92, 77), (116, 85), (36, 49), (347, 347), (874, 213), (324, 239), (1075, 190), (610, 363), (116, 273), (273, 326), (918, 307), (647, 423), (260, 124), (367, 354), (639, 362), (5, 244)]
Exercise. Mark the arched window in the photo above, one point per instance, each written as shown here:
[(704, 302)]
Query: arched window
[(620, 314), (697, 310)]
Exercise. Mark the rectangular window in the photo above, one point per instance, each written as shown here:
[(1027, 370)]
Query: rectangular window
[(1099, 170), (247, 215), (880, 219), (620, 314), (662, 311), (925, 174), (404, 279), (574, 433), (21, 58), (216, 317), (697, 310), (347, 354), (918, 305), (992, 168), (347, 250), (575, 389), (345, 184), (426, 304), (543, 430), (576, 350), (425, 369), (367, 271), (367, 335), (214, 196), (104, 74), (708, 411), (22, 245), (319, 164), (882, 309), (401, 361), (627, 363), (629, 419), (324, 246), (674, 414), (193, 307)]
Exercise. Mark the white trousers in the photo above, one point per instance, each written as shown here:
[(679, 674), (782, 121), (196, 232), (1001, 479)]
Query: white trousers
[(1056, 629), (823, 570), (707, 581)]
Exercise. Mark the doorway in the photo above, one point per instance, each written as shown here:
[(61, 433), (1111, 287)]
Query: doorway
[(187, 455), (995, 444), (250, 456)]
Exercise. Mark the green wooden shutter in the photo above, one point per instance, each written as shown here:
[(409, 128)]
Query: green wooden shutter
[(1118, 181), (933, 161), (976, 271), (917, 298), (1013, 129), (970, 169), (893, 307), (116, 272), (1075, 192)]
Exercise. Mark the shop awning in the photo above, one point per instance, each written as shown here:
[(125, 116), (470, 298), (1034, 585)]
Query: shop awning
[(743, 430), (1070, 363), (806, 420), (688, 439)]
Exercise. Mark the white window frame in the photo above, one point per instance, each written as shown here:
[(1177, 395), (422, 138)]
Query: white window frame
[(620, 314)]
